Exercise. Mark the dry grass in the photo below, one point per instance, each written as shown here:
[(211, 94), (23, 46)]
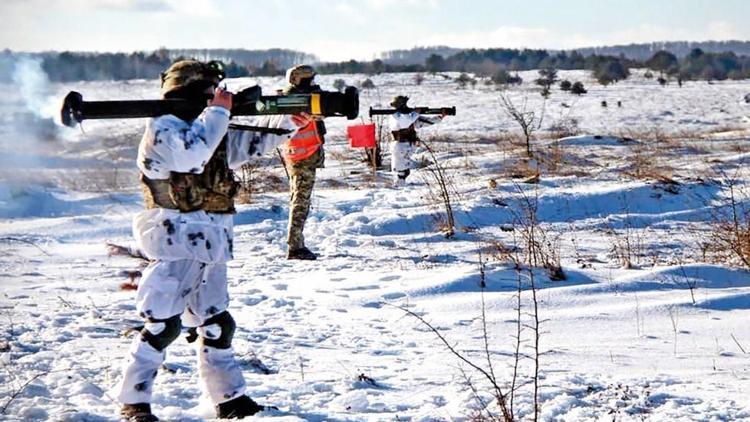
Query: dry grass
[(520, 168), (728, 240), (255, 179), (503, 140), (728, 243), (333, 184)]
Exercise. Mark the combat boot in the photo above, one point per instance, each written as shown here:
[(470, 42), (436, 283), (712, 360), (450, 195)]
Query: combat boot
[(301, 253), (238, 408), (138, 412)]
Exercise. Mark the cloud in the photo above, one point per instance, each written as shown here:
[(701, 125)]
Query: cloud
[(133, 5), (382, 5), (516, 37), (726, 30), (711, 31), (178, 7), (504, 36), (340, 50), (146, 6), (206, 8), (538, 37), (203, 8)]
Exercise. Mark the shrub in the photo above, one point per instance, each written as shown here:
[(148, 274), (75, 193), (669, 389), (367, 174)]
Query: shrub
[(547, 77), (577, 88), (339, 84), (611, 71), (463, 79)]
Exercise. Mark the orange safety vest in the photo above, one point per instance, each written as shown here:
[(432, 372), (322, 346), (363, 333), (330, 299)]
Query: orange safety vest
[(304, 144)]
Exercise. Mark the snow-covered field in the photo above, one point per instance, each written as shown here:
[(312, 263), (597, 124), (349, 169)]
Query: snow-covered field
[(666, 338)]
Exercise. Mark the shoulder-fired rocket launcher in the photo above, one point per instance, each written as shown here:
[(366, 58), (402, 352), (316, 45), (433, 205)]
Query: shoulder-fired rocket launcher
[(447, 111), (248, 102)]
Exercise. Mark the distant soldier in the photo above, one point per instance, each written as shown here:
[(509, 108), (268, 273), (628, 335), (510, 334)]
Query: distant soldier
[(186, 163), (303, 155), (403, 124)]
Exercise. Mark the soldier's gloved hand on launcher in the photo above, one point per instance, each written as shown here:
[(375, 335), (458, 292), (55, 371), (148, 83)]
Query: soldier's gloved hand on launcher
[(302, 119), (222, 98)]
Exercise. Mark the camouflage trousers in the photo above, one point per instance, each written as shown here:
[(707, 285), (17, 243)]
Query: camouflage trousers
[(301, 182)]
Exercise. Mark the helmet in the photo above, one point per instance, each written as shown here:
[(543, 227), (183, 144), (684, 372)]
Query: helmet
[(295, 75), (399, 101), (184, 73)]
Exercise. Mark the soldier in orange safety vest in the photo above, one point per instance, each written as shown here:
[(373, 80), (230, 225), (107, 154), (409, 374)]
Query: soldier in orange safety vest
[(303, 155)]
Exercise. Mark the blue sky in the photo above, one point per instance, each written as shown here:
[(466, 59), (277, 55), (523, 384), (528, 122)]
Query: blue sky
[(340, 29)]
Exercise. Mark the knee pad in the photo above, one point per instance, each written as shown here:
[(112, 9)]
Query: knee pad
[(160, 333), (218, 331)]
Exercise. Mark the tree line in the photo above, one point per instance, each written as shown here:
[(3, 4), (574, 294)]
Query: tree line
[(500, 64), (81, 66), (641, 51), (497, 63)]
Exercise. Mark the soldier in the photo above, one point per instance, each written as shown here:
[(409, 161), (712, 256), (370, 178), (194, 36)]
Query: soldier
[(403, 124), (186, 164), (303, 155)]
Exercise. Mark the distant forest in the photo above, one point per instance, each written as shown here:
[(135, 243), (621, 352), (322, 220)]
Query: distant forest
[(639, 52), (80, 66), (498, 63), (678, 48), (679, 60)]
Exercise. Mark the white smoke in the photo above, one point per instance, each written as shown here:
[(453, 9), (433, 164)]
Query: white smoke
[(34, 87), (29, 137)]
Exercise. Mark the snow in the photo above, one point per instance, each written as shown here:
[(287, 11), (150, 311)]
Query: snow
[(665, 339)]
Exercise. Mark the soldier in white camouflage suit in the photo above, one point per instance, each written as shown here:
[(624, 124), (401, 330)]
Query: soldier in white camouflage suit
[(303, 155), (186, 164), (403, 124)]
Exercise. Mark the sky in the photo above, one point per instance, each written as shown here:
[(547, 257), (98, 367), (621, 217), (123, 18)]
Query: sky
[(336, 30)]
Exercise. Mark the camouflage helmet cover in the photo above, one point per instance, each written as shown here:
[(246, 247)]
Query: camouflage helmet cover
[(295, 75), (399, 101), (186, 72)]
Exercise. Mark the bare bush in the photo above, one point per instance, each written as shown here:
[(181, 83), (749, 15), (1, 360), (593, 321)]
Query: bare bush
[(339, 84), (375, 155), (527, 120), (254, 177), (526, 349), (728, 240), (367, 84), (499, 393), (539, 248), (441, 189), (628, 244), (650, 153)]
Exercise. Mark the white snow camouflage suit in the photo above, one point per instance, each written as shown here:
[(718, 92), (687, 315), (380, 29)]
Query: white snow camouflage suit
[(187, 274), (402, 149)]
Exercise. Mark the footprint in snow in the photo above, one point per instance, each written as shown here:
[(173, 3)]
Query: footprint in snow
[(278, 303), (253, 300)]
